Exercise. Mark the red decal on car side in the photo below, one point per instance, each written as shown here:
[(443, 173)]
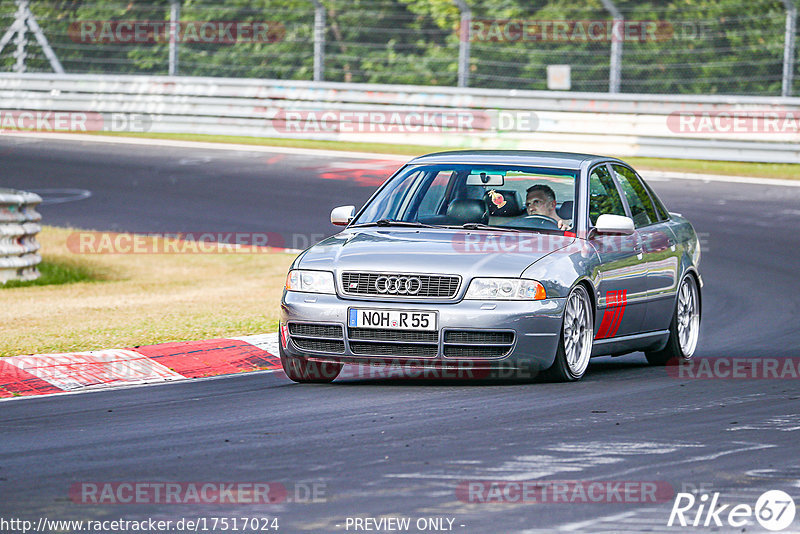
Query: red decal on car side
[(621, 302), (602, 332), (612, 315)]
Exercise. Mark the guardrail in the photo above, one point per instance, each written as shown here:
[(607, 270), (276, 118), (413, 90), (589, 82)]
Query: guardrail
[(619, 124), (18, 228)]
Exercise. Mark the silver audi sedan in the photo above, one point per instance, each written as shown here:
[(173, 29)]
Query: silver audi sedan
[(496, 263)]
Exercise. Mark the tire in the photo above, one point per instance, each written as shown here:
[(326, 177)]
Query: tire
[(303, 371), (684, 328), (575, 343)]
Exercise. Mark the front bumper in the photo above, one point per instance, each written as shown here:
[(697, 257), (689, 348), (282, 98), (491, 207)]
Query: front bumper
[(535, 325)]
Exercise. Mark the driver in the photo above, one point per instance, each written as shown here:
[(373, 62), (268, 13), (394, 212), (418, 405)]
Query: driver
[(541, 200)]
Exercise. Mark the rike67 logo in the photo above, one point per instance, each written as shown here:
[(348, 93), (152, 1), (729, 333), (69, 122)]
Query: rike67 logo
[(774, 510)]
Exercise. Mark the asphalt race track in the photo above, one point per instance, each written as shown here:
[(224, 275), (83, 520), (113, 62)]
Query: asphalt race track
[(385, 447), (150, 189)]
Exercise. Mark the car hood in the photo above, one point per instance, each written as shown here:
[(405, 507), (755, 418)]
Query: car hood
[(468, 253)]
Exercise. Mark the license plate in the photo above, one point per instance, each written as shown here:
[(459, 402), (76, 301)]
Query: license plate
[(401, 320)]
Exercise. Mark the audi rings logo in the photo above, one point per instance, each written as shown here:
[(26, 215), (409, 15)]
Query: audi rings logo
[(400, 285)]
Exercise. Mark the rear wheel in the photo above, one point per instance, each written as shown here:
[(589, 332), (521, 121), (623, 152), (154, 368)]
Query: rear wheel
[(577, 333), (684, 328), (304, 371)]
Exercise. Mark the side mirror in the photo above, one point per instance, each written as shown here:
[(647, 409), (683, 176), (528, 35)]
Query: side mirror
[(342, 215), (614, 224)]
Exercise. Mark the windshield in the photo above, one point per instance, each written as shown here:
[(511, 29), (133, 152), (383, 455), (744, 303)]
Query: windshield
[(497, 196)]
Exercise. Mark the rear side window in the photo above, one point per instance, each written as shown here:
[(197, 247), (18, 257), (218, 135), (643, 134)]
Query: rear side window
[(642, 210), (660, 209), (603, 195)]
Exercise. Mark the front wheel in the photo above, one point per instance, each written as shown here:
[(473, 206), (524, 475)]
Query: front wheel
[(308, 372), (684, 327), (577, 333)]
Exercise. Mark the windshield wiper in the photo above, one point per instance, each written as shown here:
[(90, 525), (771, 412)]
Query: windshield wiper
[(479, 226), (392, 222)]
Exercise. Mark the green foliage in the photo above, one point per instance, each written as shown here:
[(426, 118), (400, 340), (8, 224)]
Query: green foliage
[(706, 46)]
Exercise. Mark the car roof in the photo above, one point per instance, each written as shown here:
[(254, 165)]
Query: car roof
[(563, 160)]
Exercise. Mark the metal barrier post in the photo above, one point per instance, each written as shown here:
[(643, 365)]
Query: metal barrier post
[(788, 47), (174, 32), (319, 41), (20, 40), (25, 16), (42, 40), (615, 62), (18, 228), (464, 43)]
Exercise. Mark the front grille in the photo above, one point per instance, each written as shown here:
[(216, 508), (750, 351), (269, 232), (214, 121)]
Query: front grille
[(477, 343), (467, 351), (393, 349), (388, 342), (377, 334), (430, 286), (315, 330), (318, 345), (477, 336)]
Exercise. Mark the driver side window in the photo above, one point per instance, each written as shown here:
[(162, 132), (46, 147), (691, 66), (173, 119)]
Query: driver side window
[(642, 210), (603, 195)]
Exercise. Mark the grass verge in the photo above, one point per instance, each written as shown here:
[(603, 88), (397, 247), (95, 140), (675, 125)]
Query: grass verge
[(786, 171), (56, 272), (100, 301)]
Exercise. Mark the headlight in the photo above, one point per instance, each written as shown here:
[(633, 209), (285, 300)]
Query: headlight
[(505, 289), (310, 281)]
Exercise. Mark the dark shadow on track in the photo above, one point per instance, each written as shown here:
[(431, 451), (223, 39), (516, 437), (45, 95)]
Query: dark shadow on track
[(397, 376)]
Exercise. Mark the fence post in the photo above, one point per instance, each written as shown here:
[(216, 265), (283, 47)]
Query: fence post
[(463, 42), (21, 39), (42, 40), (174, 33), (17, 29), (789, 47), (319, 41), (615, 66)]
